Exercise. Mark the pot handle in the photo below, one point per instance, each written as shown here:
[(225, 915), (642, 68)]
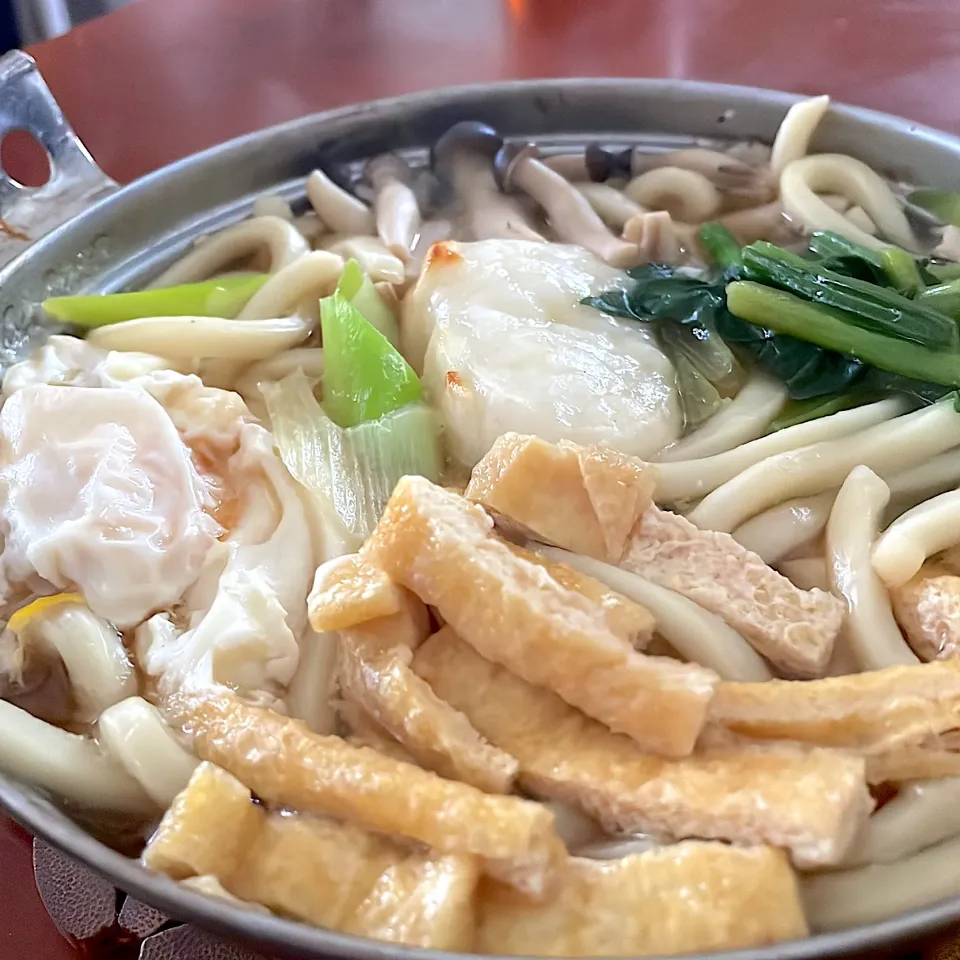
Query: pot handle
[(76, 182)]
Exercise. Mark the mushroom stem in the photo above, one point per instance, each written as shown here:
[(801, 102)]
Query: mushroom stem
[(341, 211), (487, 212), (569, 212), (395, 206)]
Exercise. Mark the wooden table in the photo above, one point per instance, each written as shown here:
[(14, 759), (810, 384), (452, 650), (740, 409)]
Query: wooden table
[(163, 78)]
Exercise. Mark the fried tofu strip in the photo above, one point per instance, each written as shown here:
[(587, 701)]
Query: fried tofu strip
[(912, 763), (868, 712), (320, 871), (691, 897), (207, 829), (538, 485), (794, 629), (286, 764), (928, 611), (513, 612), (811, 802), (585, 498), (311, 868), (350, 590), (625, 618), (375, 674), (425, 901)]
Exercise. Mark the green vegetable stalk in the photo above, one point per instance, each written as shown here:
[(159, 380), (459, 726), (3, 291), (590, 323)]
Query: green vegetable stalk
[(720, 244), (356, 285), (831, 329), (364, 375), (224, 297)]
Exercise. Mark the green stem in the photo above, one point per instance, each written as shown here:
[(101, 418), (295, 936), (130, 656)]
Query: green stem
[(831, 329), (720, 244)]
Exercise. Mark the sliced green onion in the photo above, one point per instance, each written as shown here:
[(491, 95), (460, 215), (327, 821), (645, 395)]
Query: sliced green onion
[(224, 297), (357, 287), (351, 472), (364, 375)]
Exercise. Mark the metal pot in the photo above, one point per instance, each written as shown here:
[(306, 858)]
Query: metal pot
[(83, 234)]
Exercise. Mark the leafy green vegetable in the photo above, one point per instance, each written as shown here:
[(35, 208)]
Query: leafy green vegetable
[(831, 329), (659, 292), (872, 307), (720, 244), (224, 297), (943, 204), (364, 375), (902, 271), (942, 270), (943, 297), (357, 287), (351, 472)]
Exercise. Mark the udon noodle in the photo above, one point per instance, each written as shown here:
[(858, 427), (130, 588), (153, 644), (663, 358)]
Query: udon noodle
[(588, 553)]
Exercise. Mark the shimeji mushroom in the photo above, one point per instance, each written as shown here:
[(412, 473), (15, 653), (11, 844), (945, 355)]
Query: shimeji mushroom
[(339, 209), (395, 206), (569, 212), (464, 157)]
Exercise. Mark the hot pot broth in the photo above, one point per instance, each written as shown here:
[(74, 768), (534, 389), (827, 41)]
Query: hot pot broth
[(587, 554)]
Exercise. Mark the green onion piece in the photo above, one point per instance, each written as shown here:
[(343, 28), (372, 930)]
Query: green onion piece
[(831, 329), (224, 297), (357, 287), (943, 204), (720, 244), (944, 298), (801, 411), (351, 473), (901, 270), (364, 376)]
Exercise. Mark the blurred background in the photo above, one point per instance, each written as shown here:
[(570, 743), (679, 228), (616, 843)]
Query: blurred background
[(28, 21)]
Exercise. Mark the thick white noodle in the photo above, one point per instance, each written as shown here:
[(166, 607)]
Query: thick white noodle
[(311, 692), (884, 448), (851, 898), (691, 479), (803, 179), (311, 276), (307, 359), (795, 131), (181, 338), (928, 528), (923, 813), (745, 418), (341, 211), (910, 487), (871, 629), (135, 735), (612, 206), (696, 634), (808, 573), (688, 197), (777, 532), (270, 205), (66, 764), (224, 249), (92, 652), (378, 263), (861, 220)]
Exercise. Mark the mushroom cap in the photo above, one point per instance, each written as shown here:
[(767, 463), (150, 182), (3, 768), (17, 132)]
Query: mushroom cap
[(467, 135), (387, 166), (507, 158), (602, 163)]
